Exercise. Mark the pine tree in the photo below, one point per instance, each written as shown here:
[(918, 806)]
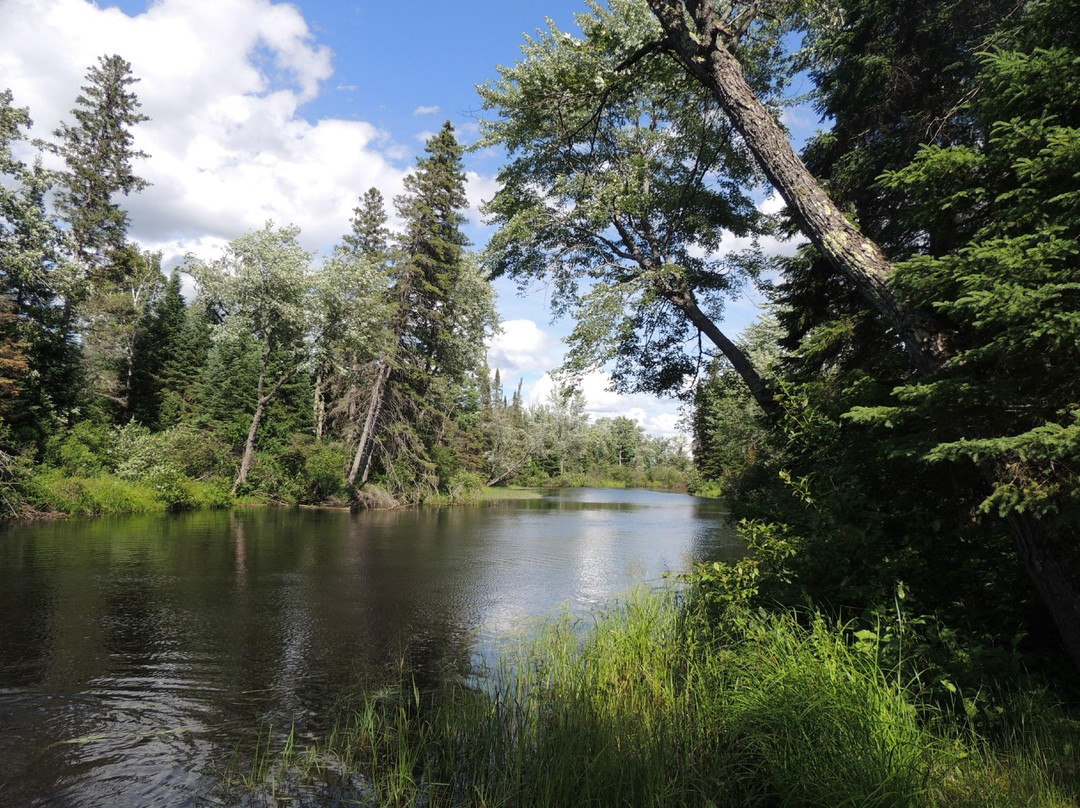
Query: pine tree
[(441, 307), (432, 248), (160, 334)]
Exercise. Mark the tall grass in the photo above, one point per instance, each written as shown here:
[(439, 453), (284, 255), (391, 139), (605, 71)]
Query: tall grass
[(646, 706)]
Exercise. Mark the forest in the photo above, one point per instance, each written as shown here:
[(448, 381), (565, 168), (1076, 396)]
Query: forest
[(285, 378), (898, 435)]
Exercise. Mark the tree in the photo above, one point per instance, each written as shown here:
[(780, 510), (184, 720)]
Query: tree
[(1010, 288), (171, 352), (261, 288), (728, 428), (34, 272), (441, 307), (352, 313), (621, 184), (368, 235), (705, 38), (98, 151), (112, 282), (113, 318)]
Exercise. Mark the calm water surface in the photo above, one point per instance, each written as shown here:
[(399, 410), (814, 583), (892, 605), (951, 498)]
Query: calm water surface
[(137, 655)]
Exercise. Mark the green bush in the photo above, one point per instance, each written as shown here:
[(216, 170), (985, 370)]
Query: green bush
[(52, 490), (184, 449), (323, 470), (83, 450), (667, 477)]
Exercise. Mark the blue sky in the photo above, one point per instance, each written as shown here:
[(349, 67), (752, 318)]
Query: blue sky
[(266, 110)]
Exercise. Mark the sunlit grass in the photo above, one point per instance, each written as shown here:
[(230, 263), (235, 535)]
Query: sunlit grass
[(643, 706)]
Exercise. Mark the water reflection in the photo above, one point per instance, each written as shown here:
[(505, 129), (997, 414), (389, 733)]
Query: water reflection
[(134, 653)]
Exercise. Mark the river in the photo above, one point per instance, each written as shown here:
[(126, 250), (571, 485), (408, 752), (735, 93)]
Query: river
[(138, 654)]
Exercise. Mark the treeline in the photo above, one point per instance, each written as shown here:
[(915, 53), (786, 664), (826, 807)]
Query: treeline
[(283, 377)]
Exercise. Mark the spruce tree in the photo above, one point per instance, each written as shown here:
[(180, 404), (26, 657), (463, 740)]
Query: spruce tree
[(158, 347), (432, 248), (33, 270), (441, 307), (368, 236), (98, 152)]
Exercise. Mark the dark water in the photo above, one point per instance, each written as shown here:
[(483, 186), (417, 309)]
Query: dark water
[(137, 655)]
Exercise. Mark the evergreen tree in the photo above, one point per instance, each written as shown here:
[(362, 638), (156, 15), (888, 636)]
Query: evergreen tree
[(159, 348), (33, 273), (112, 322), (98, 151), (441, 308), (432, 247), (368, 236)]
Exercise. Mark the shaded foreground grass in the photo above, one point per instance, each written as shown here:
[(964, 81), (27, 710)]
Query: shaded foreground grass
[(647, 707)]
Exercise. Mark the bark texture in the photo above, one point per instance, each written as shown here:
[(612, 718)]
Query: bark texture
[(362, 458), (704, 53)]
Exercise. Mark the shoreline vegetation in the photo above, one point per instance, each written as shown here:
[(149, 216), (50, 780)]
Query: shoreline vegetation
[(51, 494), (658, 700)]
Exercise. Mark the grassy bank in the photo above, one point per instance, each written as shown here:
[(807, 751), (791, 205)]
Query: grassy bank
[(52, 491), (649, 708)]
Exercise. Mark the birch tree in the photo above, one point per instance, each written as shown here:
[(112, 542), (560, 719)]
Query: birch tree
[(262, 287)]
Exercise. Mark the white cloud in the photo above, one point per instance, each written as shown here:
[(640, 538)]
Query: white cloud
[(657, 416), (479, 189), (422, 110), (222, 83), (521, 347)]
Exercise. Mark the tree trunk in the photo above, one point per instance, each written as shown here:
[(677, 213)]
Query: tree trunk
[(1053, 564), (249, 446), (260, 407), (319, 405), (706, 57), (363, 447), (261, 401), (684, 301)]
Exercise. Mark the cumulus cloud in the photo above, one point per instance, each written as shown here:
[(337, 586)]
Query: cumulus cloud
[(222, 83), (521, 347), (423, 110)]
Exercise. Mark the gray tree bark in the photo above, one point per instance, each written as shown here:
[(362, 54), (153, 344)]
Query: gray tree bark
[(704, 53), (371, 420)]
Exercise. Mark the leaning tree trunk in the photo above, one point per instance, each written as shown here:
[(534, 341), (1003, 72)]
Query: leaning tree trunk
[(260, 408), (705, 55), (261, 400), (684, 301), (1052, 560), (371, 420)]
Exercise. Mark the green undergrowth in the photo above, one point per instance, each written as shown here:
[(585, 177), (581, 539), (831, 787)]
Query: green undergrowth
[(645, 706), (54, 491)]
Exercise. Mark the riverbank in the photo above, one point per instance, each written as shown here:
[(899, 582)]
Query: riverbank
[(655, 705), (43, 493)]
